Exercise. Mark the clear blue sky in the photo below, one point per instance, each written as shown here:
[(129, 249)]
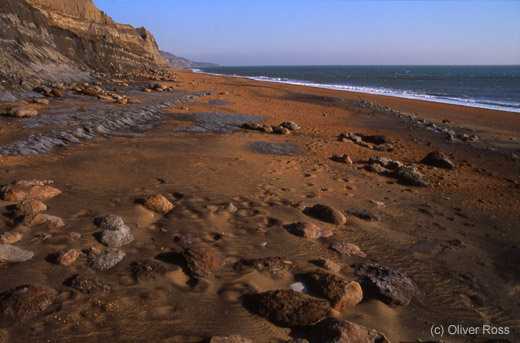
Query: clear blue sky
[(282, 32)]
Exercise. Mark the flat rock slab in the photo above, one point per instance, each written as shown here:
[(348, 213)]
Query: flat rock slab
[(28, 190), (26, 302), (308, 230), (339, 292), (334, 330), (8, 253), (392, 286), (105, 258), (201, 261), (288, 308), (327, 213)]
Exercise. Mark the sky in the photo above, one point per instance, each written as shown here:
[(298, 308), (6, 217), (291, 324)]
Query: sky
[(328, 32)]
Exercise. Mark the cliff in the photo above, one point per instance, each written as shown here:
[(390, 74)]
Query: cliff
[(55, 40), (179, 62)]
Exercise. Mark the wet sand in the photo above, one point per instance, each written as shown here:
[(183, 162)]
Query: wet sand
[(456, 238)]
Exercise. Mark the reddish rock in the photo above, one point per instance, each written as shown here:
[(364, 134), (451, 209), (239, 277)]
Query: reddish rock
[(26, 302), (57, 93), (334, 330), (328, 214), (29, 207), (67, 257), (201, 261), (44, 219), (338, 291), (288, 308), (308, 230), (90, 91), (28, 190), (10, 237), (158, 203)]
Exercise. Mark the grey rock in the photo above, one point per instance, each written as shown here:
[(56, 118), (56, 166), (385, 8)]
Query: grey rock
[(117, 238), (110, 222), (104, 258), (9, 253), (392, 286)]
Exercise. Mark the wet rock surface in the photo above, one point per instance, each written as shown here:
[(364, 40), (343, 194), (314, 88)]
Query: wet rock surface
[(327, 214), (28, 190), (392, 286), (334, 330), (104, 258), (340, 293), (26, 302), (201, 261), (308, 230), (9, 253), (287, 307)]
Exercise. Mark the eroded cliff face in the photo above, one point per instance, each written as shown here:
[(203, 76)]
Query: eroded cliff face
[(63, 40)]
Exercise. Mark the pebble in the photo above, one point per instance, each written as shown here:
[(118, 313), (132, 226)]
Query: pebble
[(299, 287), (158, 203), (28, 190), (87, 284), (9, 253)]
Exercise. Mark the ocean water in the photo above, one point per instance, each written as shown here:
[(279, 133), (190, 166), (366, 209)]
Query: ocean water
[(494, 87)]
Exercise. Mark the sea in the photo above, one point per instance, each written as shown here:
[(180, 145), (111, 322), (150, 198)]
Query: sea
[(492, 87)]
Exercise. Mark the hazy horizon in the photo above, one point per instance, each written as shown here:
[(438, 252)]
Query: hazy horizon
[(330, 32)]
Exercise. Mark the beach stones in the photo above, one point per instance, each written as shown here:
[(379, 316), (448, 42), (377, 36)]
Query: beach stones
[(438, 159), (230, 339), (116, 233), (27, 190), (290, 125), (275, 266), (28, 207), (308, 230), (340, 293), (9, 253), (21, 112), (158, 203), (67, 257), (10, 237), (43, 219), (26, 302), (288, 308), (392, 286), (345, 159), (146, 269), (201, 261), (87, 284), (409, 175), (328, 214), (333, 330), (104, 258)]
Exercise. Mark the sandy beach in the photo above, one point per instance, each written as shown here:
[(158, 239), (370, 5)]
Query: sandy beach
[(235, 192)]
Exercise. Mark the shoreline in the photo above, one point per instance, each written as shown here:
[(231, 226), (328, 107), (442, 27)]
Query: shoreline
[(347, 88)]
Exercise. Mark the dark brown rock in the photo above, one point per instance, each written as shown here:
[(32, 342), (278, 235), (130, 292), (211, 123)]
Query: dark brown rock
[(201, 261), (438, 159), (392, 286), (342, 159), (340, 293), (308, 230), (328, 214), (87, 284), (26, 302), (288, 308), (334, 330), (28, 190)]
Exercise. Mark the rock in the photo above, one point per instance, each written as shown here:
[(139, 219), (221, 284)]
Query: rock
[(117, 237), (28, 207), (266, 128), (392, 286), (91, 91), (158, 203), (308, 230), (146, 90), (26, 302), (383, 161), (104, 258), (122, 101), (8, 253), (328, 214), (375, 139), (57, 93), (281, 130), (21, 112), (438, 159), (327, 264), (146, 269), (67, 257), (348, 249), (134, 101), (183, 241), (41, 101), (87, 284), (409, 175), (43, 219), (251, 126), (201, 261), (288, 308), (333, 330), (10, 237), (230, 339), (335, 289), (110, 222), (290, 126), (377, 168), (365, 214), (299, 287), (342, 159), (384, 147), (28, 190), (273, 265)]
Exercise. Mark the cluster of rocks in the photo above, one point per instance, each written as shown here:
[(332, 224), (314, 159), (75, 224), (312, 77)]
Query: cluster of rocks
[(405, 174), (375, 142), (158, 87), (284, 128)]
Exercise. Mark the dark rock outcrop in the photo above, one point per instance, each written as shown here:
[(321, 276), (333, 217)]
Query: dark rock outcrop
[(60, 40)]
